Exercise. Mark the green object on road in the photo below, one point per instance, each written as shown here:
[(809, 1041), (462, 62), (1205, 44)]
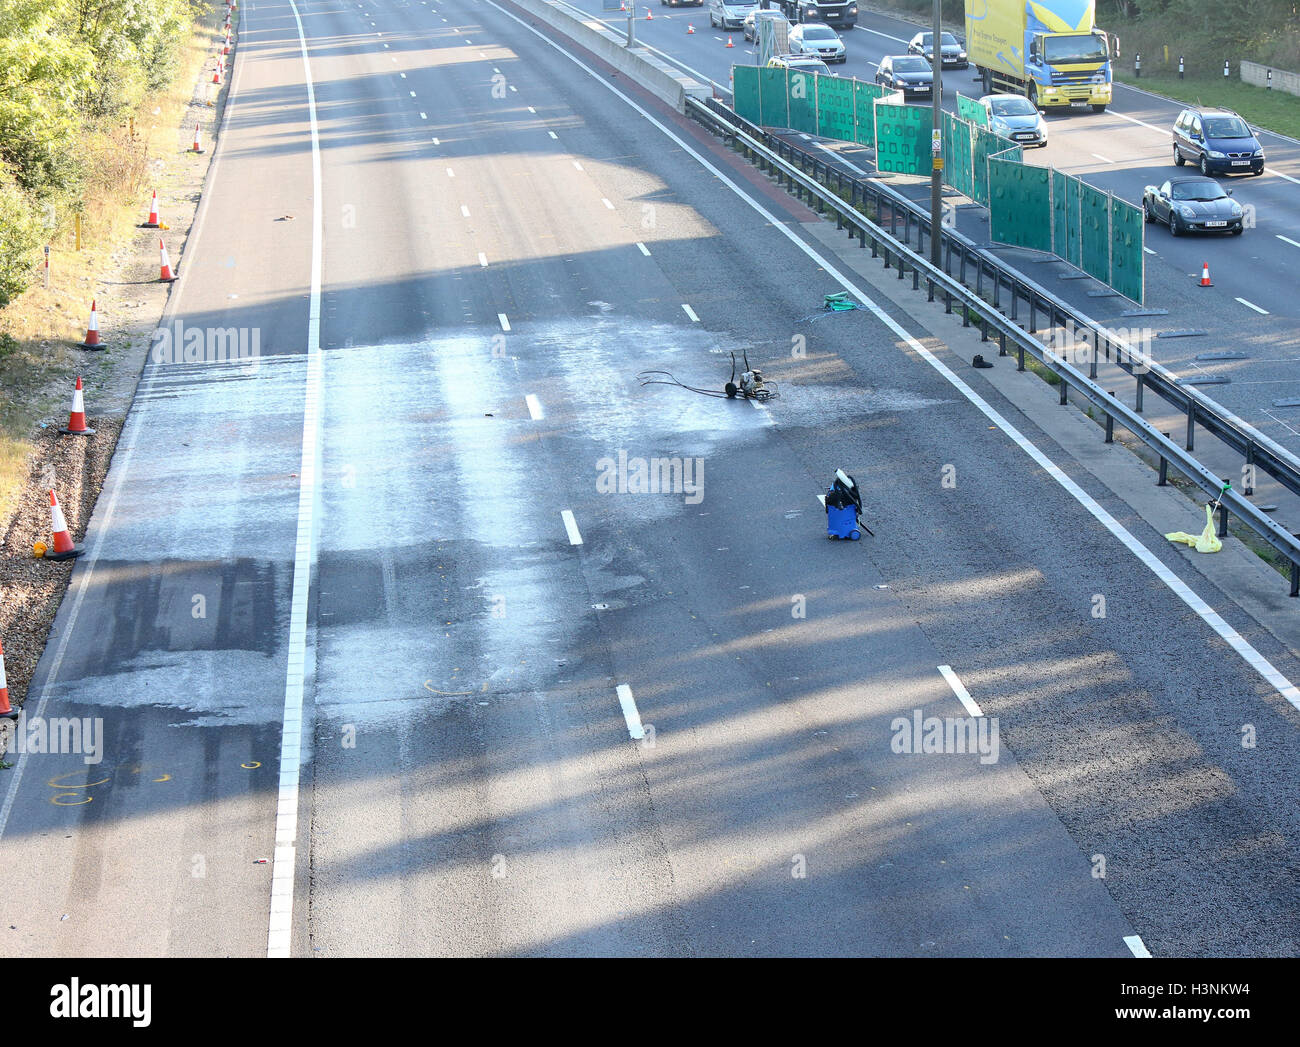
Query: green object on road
[(839, 302)]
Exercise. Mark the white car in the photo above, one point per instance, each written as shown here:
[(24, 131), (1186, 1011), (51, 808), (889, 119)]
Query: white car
[(814, 38), (730, 14), (1015, 117)]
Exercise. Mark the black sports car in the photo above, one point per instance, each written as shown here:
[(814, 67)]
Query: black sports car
[(1189, 205)]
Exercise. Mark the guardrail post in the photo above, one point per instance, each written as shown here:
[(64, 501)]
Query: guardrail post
[(1092, 363), (1110, 422), (929, 285), (1223, 521), (916, 278), (1020, 362), (1015, 298), (1002, 343), (965, 315), (893, 221), (997, 289), (1141, 376), (1295, 578), (875, 248), (862, 239), (1191, 425), (979, 277), (1065, 390), (947, 300), (902, 265), (1033, 314), (961, 271), (984, 329)]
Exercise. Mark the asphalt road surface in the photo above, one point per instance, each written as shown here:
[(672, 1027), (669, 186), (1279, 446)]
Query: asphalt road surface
[(455, 686)]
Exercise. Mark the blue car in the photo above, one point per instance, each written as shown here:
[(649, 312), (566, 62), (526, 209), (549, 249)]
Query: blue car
[(1217, 141)]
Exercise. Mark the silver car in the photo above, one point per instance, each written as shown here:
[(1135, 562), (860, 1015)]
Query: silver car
[(730, 14), (813, 38), (1017, 118)]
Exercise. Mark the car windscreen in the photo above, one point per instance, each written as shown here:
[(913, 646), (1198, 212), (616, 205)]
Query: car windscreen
[(1064, 50), (1226, 127), (948, 40), (1203, 191), (911, 65), (1013, 107), (818, 32)]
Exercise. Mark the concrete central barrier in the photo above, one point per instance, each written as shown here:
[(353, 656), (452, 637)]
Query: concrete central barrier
[(637, 64)]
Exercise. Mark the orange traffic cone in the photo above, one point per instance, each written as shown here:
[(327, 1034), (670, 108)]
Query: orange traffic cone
[(1205, 275), (77, 416), (729, 43), (6, 710), (92, 331), (152, 221), (165, 275), (690, 29), (648, 16), (63, 547), (216, 74), (196, 147)]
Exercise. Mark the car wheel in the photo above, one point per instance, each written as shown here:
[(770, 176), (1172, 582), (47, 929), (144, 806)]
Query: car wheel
[(1238, 231), (1146, 211), (1205, 167), (1259, 173), (1098, 108), (1175, 226), (1178, 158), (1033, 96)]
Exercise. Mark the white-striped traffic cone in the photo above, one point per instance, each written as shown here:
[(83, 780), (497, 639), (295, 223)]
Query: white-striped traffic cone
[(165, 275), (77, 416), (6, 710), (63, 548), (152, 221), (1205, 275), (196, 147), (92, 331)]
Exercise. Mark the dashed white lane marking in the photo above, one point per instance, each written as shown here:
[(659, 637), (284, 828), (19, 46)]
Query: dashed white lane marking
[(531, 109), (436, 142), (1147, 249), (606, 202), (691, 313), (1145, 556), (959, 689), (514, 89), (424, 116), (553, 134), (451, 173), (464, 211), (643, 249), (1293, 243), (402, 75), (577, 166), (1103, 159), (571, 525), (1252, 305), (482, 259), (822, 498), (535, 411), (873, 32), (505, 324), (630, 714), (1135, 946)]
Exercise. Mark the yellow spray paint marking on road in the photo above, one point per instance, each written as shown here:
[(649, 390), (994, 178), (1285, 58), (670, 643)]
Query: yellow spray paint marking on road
[(250, 766), (59, 801)]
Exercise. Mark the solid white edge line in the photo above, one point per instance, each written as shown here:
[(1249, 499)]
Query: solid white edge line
[(571, 526), (505, 323), (280, 928), (630, 714), (464, 211), (643, 249), (1172, 581), (1147, 249), (1103, 159), (1136, 947), (1293, 243), (959, 689), (605, 200), (535, 411), (1252, 305), (482, 259), (691, 313)]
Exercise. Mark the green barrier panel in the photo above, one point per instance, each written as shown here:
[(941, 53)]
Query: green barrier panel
[(1020, 204), (970, 109), (1065, 217), (903, 138), (1127, 261), (774, 102), (803, 102), (864, 97), (983, 145), (957, 154), (745, 94), (1094, 232), (835, 107)]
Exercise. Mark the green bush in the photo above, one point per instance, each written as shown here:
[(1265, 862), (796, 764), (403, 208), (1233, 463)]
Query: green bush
[(20, 236)]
